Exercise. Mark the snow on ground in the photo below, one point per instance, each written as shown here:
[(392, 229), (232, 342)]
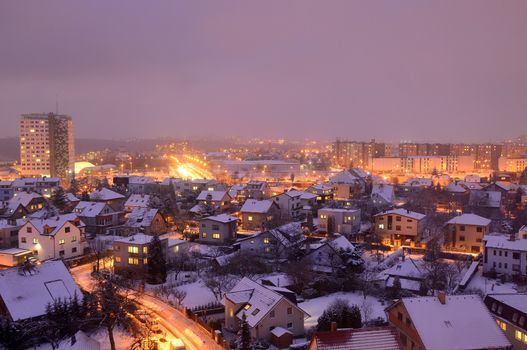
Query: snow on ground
[(487, 285), (197, 294), (315, 307)]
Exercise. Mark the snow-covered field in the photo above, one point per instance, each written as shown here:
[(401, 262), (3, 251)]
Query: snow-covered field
[(487, 285), (315, 307), (197, 294)]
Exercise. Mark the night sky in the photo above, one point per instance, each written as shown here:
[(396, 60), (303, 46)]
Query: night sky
[(390, 70)]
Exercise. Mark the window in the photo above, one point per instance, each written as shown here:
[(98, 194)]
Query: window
[(133, 261), (74, 250), (398, 228), (493, 308), (204, 235), (35, 241), (500, 252), (118, 259), (216, 235), (289, 325), (397, 218), (381, 226), (133, 249), (515, 317), (145, 250), (399, 316), (67, 229), (479, 229), (23, 239), (145, 261), (462, 238), (494, 250), (271, 314), (250, 218), (500, 309), (247, 306), (502, 325), (266, 240), (255, 312), (74, 238), (516, 256), (461, 228), (289, 310), (29, 229), (62, 241), (408, 321), (518, 335), (215, 227)]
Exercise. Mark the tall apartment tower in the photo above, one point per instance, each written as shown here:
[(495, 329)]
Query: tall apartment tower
[(47, 145)]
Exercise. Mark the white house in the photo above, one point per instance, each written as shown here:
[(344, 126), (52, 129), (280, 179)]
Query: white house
[(136, 201), (57, 237), (505, 255), (344, 221)]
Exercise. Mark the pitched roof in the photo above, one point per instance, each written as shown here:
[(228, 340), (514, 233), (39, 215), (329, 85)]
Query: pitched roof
[(386, 192), (256, 206), (105, 194), (469, 219), (504, 242), (141, 217), (26, 294), (514, 300), (223, 218), (403, 212), (214, 195), (22, 198), (451, 326), (379, 338), (90, 209), (344, 177), (55, 223), (259, 299), (137, 200)]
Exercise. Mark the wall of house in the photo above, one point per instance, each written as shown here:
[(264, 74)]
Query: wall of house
[(408, 227), (50, 247), (467, 238), (207, 229), (505, 261), (397, 317), (281, 319), (253, 221), (9, 237)]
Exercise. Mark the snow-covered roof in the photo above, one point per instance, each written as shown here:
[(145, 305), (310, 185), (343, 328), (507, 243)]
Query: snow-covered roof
[(139, 180), (341, 243), (138, 238), (403, 212), (279, 331), (26, 294), (338, 210), (256, 206), (55, 223), (344, 177), (90, 209), (320, 187), (409, 268), (288, 235), (215, 196), (379, 338), (514, 300), (137, 200), (386, 192), (223, 218), (489, 199), (418, 182), (105, 194), (452, 326), (455, 187), (22, 198), (504, 242), (259, 300), (141, 217), (469, 219), (70, 197)]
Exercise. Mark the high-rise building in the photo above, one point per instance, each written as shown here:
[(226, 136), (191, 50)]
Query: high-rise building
[(47, 145)]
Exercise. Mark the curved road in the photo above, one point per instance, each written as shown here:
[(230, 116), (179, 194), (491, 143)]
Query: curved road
[(194, 337)]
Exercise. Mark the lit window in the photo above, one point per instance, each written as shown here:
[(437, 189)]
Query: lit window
[(73, 238), (204, 235), (266, 240), (381, 226), (145, 261), (133, 261), (35, 241), (176, 249), (118, 259), (518, 335), (502, 325), (133, 249), (145, 250), (247, 306), (250, 218), (216, 235), (62, 241)]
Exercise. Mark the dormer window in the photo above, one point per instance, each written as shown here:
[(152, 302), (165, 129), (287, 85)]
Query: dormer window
[(255, 312), (247, 306)]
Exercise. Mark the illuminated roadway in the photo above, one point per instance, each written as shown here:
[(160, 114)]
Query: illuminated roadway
[(189, 167), (174, 321)]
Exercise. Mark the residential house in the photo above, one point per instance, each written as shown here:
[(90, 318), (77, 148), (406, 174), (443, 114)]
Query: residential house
[(6, 191), (255, 190), (290, 204), (138, 184), (277, 243), (445, 322), (400, 227), (105, 195), (382, 195), (22, 204), (331, 254), (257, 215), (378, 338), (505, 255), (465, 233), (9, 233), (323, 192), (343, 221), (510, 312), (265, 309), (45, 186), (218, 229), (26, 291), (410, 273), (145, 220), (98, 216), (212, 202), (60, 237), (131, 253), (136, 201), (347, 184)]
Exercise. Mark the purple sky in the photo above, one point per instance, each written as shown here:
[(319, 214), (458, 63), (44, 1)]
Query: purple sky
[(391, 70)]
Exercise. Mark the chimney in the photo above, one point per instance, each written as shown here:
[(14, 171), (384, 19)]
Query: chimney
[(442, 297), (333, 326), (512, 237)]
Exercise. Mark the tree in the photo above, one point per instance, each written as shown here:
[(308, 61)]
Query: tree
[(219, 284), (74, 186), (341, 312), (157, 267), (59, 199), (178, 264), (114, 307), (85, 197), (396, 288), (245, 335)]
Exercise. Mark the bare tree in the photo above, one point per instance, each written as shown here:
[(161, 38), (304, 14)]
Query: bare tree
[(219, 284)]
